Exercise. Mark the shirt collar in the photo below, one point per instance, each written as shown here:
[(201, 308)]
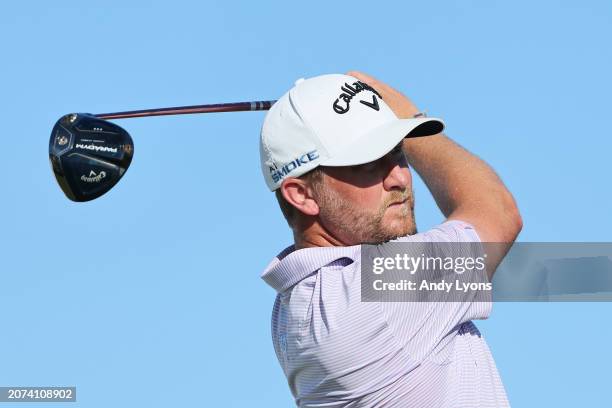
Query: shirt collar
[(291, 265)]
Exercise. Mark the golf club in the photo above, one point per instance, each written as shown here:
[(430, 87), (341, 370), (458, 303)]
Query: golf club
[(89, 154)]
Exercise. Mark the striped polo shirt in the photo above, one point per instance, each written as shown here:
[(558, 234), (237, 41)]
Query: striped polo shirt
[(337, 351)]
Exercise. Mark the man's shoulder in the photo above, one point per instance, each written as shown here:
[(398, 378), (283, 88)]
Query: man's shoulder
[(292, 265)]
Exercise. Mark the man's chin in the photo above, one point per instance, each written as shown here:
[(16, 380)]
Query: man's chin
[(391, 233), (401, 226), (402, 233)]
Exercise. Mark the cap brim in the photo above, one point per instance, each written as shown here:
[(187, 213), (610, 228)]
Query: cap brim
[(380, 141)]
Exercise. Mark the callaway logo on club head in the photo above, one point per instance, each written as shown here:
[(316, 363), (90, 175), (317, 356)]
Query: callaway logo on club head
[(342, 104), (96, 148), (93, 177)]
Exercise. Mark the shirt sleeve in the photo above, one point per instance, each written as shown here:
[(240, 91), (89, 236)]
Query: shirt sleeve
[(423, 327), (448, 231)]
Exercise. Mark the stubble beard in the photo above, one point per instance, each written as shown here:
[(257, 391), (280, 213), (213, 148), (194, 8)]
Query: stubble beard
[(367, 227)]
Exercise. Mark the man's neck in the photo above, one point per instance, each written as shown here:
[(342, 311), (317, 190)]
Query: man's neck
[(314, 236)]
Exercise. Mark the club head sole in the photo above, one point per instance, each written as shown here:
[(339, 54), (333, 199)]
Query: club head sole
[(88, 155)]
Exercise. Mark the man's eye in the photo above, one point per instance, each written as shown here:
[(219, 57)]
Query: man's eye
[(398, 154)]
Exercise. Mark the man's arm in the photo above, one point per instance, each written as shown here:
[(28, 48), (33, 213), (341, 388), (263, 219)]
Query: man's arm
[(465, 187)]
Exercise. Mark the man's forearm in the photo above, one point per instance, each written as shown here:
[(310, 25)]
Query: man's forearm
[(459, 181)]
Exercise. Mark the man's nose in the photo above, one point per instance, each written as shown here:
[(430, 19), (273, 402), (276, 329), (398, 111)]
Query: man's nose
[(399, 177)]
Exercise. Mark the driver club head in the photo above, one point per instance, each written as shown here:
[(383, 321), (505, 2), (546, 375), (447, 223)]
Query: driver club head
[(88, 155)]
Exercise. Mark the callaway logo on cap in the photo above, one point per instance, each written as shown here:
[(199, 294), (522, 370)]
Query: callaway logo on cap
[(331, 120)]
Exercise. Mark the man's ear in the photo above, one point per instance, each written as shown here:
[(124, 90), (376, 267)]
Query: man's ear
[(297, 193)]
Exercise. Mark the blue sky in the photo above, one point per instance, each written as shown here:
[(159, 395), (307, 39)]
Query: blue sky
[(151, 296)]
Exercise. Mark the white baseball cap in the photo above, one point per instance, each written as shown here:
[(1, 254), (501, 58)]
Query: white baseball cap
[(331, 120)]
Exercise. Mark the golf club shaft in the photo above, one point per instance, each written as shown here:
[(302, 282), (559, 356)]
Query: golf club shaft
[(185, 110)]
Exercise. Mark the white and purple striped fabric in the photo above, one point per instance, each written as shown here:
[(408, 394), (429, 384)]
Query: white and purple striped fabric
[(337, 351)]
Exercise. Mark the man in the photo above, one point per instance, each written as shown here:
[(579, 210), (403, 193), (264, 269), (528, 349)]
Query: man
[(336, 149)]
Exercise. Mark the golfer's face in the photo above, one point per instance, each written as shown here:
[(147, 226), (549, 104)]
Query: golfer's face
[(376, 197)]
